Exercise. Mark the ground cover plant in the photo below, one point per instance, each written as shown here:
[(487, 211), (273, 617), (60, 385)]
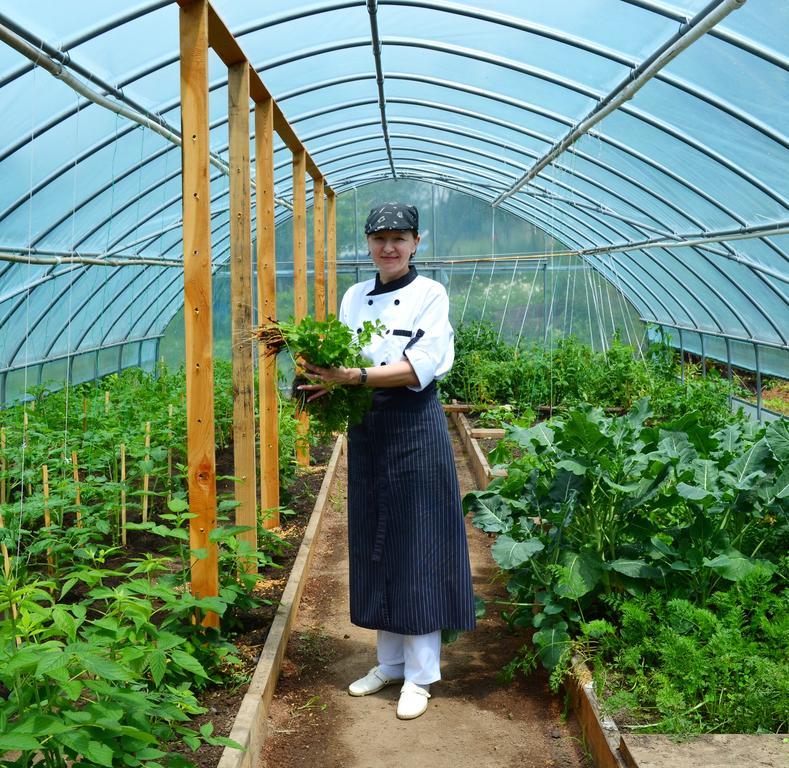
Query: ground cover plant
[(101, 660), (533, 378), (597, 511)]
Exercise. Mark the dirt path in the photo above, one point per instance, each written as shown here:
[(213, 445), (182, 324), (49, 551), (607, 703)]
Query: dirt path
[(471, 722)]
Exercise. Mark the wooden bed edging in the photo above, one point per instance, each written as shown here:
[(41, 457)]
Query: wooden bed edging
[(249, 727), (480, 467), (601, 736)]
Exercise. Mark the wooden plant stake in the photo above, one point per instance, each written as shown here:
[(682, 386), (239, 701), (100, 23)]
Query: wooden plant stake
[(169, 452), (146, 478), (77, 500), (24, 443), (84, 414), (123, 494), (2, 469), (47, 518), (107, 403)]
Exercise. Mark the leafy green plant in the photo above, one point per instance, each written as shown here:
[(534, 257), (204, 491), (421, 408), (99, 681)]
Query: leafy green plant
[(327, 344), (681, 668), (597, 505)]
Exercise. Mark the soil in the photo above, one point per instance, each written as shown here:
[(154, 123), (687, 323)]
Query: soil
[(472, 721), (222, 703)]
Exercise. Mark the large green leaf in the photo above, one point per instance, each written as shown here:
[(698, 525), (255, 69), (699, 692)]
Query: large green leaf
[(705, 474), (777, 437), (563, 486), (104, 669), (729, 438), (188, 662), (694, 492), (510, 554), (552, 643), (491, 512), (582, 433), (539, 434), (636, 569), (582, 573), (675, 446), (747, 464), (20, 741), (781, 488), (157, 663), (734, 565), (99, 753)]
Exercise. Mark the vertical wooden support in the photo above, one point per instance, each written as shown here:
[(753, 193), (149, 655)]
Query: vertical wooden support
[(241, 303), (201, 460), (3, 465), (146, 477), (319, 242), (331, 253), (300, 276), (267, 309), (169, 452), (77, 499), (123, 494), (47, 517)]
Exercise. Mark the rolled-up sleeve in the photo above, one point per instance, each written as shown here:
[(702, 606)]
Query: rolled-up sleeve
[(431, 350)]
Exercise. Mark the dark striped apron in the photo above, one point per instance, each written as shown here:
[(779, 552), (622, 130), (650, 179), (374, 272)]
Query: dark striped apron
[(409, 566)]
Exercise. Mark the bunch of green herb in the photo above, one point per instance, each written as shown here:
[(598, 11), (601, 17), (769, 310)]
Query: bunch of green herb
[(327, 344)]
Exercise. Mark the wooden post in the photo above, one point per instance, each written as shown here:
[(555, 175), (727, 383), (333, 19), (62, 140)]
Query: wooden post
[(84, 414), (241, 303), (267, 309), (47, 517), (300, 277), (123, 494), (106, 403), (201, 459), (146, 478), (331, 253), (77, 500), (3, 465), (319, 242), (169, 452)]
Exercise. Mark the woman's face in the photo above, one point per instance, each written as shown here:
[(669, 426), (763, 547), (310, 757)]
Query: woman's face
[(391, 251)]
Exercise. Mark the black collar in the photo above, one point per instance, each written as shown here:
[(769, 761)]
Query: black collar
[(394, 285)]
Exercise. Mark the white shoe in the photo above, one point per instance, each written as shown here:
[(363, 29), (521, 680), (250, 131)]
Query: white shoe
[(413, 700), (372, 682)]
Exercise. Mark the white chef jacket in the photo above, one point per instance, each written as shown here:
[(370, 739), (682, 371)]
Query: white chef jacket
[(415, 311)]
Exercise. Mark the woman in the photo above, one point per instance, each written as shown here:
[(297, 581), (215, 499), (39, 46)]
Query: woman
[(409, 567)]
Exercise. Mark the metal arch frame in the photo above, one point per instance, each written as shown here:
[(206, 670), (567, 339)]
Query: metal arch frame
[(615, 171), (734, 311), (649, 162), (702, 281), (530, 217), (663, 268), (372, 10), (220, 122), (497, 61), (683, 307)]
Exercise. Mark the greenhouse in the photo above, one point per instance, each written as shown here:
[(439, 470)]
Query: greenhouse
[(595, 194)]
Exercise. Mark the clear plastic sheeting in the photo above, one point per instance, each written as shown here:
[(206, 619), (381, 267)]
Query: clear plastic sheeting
[(673, 203)]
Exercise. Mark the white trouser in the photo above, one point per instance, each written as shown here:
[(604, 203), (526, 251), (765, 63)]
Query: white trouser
[(414, 657)]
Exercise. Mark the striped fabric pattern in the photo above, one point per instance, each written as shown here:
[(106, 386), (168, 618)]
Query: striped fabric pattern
[(409, 565)]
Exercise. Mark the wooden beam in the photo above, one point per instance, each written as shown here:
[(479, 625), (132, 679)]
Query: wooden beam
[(241, 305), (331, 252), (319, 243), (201, 461), (267, 309), (300, 275)]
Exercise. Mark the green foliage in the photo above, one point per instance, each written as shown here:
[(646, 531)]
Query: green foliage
[(488, 371), (330, 344), (102, 651), (691, 669), (595, 507)]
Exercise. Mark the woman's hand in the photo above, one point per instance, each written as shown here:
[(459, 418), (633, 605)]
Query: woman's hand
[(324, 376)]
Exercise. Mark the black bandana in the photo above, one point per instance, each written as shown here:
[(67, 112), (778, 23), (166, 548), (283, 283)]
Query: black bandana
[(392, 216)]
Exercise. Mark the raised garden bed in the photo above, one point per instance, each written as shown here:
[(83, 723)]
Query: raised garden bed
[(610, 746)]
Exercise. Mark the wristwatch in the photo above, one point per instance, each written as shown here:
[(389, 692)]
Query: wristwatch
[(362, 376)]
